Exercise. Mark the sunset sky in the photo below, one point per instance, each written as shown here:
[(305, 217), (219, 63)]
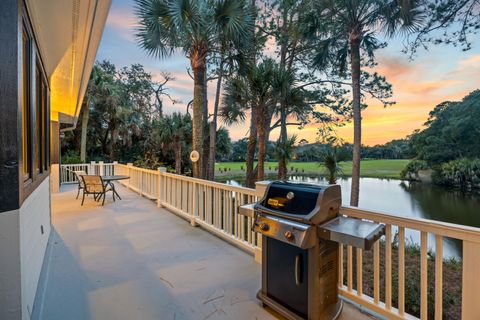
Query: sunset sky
[(442, 73)]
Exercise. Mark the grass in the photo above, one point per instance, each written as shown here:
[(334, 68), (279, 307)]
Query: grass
[(369, 168)]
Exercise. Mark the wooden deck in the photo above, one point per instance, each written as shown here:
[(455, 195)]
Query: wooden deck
[(132, 260)]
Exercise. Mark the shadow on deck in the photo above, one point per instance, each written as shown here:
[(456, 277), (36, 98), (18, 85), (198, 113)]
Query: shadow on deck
[(132, 260)]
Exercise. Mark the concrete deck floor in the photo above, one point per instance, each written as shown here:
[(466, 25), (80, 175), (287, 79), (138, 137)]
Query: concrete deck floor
[(132, 260)]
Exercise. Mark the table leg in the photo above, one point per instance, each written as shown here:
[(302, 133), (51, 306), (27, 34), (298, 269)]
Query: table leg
[(114, 190)]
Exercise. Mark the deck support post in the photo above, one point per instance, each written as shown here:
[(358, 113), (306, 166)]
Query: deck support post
[(101, 170), (470, 280), (113, 167), (193, 223), (161, 170), (129, 165), (260, 188)]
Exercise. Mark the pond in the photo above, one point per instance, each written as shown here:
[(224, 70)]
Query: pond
[(410, 199)]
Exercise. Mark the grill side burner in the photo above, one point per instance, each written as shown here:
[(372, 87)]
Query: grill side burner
[(300, 230)]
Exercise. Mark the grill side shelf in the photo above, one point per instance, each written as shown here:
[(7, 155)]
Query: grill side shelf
[(247, 210), (351, 231)]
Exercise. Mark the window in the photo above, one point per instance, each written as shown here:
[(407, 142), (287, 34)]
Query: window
[(26, 108), (41, 120), (35, 112)]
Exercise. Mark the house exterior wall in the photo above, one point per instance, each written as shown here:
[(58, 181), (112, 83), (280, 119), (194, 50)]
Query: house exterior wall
[(24, 206), (29, 54), (10, 287), (34, 224)]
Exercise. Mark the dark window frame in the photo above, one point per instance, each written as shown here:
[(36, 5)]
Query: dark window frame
[(26, 103), (38, 117)]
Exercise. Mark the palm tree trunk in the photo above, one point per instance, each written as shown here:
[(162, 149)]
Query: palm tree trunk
[(83, 140), (178, 155), (213, 126), (357, 118), (252, 143), (206, 141), (261, 143), (200, 82), (113, 142), (282, 162)]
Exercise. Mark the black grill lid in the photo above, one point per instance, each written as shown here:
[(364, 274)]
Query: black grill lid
[(300, 201), (293, 198)]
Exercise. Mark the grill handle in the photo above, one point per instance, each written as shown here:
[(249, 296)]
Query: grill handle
[(298, 269)]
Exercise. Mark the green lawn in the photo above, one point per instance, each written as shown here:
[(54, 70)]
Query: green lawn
[(369, 168)]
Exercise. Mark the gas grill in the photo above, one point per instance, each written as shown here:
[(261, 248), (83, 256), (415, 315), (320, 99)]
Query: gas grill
[(301, 227)]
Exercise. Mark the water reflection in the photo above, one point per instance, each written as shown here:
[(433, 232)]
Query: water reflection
[(411, 200)]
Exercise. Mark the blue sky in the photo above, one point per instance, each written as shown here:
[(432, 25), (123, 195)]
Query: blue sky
[(442, 73)]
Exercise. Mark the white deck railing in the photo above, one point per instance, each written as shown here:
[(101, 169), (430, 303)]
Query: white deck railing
[(214, 206), (67, 171)]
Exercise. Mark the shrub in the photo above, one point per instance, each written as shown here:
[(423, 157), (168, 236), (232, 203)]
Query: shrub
[(410, 172), (461, 173), (71, 157)]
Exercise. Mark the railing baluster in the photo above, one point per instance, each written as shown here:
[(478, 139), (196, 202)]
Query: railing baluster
[(340, 265), (376, 272), (349, 268), (388, 266), (438, 277), (401, 271), (359, 272), (423, 276)]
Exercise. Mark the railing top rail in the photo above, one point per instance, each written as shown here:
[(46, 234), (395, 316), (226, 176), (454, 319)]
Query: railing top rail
[(212, 183), (445, 229), (138, 168)]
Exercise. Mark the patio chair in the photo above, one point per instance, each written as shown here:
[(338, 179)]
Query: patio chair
[(95, 185), (78, 174)]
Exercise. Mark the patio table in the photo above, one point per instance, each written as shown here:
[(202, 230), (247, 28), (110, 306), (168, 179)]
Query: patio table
[(110, 179)]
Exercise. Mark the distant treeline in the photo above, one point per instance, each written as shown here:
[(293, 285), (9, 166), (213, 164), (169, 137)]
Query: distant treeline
[(315, 152), (449, 145)]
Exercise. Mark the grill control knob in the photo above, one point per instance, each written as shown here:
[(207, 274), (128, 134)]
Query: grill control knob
[(289, 235), (264, 226)]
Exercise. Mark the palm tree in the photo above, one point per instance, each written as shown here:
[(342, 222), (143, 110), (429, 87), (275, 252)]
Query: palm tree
[(294, 104), (172, 131), (284, 150), (332, 169), (346, 34), (193, 26), (254, 91)]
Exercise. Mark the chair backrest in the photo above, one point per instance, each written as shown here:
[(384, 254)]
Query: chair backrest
[(79, 174), (93, 184)]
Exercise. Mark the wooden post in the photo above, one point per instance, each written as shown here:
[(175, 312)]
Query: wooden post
[(55, 179), (91, 168), (101, 169), (260, 188), (129, 173), (113, 167), (470, 280), (161, 170), (193, 223)]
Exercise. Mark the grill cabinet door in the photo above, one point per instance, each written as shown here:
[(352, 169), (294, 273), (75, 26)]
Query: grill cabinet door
[(287, 275)]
